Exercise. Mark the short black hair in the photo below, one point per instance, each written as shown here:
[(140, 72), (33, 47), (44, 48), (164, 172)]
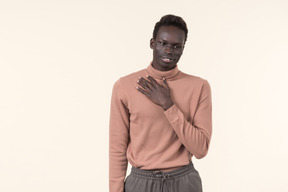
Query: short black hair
[(168, 20)]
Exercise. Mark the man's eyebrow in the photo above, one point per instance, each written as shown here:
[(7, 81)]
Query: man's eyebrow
[(162, 39), (177, 43)]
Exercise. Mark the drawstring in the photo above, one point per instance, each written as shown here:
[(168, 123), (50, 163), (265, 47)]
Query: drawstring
[(164, 176)]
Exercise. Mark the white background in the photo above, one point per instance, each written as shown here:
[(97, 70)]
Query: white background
[(60, 59)]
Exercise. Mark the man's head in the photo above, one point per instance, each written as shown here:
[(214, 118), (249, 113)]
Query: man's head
[(171, 20), (169, 37)]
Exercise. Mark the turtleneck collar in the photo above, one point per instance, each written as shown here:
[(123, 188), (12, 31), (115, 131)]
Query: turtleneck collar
[(170, 74)]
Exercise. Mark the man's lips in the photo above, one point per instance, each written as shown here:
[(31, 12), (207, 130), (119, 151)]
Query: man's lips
[(167, 59)]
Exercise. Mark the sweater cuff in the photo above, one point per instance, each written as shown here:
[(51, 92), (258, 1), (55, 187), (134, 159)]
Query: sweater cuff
[(172, 113)]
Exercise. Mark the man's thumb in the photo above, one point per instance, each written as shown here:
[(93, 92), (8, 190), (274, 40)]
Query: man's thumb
[(165, 83)]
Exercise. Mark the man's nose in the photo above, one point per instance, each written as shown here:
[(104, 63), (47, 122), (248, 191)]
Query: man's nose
[(168, 49)]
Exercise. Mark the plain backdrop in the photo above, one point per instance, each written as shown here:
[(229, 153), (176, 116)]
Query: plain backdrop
[(60, 59)]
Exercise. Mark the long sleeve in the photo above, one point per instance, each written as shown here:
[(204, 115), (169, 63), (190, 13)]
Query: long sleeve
[(118, 139), (196, 135)]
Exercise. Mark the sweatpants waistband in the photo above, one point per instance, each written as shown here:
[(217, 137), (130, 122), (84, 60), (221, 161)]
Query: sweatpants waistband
[(160, 174)]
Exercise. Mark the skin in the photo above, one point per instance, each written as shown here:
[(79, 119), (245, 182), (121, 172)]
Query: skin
[(169, 43)]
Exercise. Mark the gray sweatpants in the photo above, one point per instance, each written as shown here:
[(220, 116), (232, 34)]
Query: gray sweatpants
[(183, 179)]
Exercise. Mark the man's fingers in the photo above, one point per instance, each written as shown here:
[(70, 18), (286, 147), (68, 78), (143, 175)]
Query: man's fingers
[(144, 83), (142, 91), (154, 82)]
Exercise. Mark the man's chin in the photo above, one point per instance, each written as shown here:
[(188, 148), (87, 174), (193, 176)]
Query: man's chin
[(165, 65), (170, 64), (168, 67)]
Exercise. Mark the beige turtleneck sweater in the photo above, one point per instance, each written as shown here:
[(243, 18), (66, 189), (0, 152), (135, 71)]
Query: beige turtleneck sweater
[(142, 133)]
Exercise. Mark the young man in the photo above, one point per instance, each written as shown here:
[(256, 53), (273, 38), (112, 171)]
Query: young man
[(160, 117)]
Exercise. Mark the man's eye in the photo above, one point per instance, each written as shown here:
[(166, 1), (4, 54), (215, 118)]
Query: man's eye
[(162, 43), (177, 47)]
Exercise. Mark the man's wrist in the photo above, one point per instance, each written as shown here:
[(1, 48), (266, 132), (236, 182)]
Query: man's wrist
[(168, 105)]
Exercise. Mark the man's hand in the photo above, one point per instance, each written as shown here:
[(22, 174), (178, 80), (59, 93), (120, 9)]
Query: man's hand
[(155, 92)]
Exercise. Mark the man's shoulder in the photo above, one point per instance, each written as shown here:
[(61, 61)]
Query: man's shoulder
[(193, 78), (131, 77)]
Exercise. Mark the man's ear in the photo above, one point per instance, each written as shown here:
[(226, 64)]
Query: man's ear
[(151, 43)]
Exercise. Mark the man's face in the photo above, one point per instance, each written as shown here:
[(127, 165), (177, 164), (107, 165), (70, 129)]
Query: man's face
[(167, 47)]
